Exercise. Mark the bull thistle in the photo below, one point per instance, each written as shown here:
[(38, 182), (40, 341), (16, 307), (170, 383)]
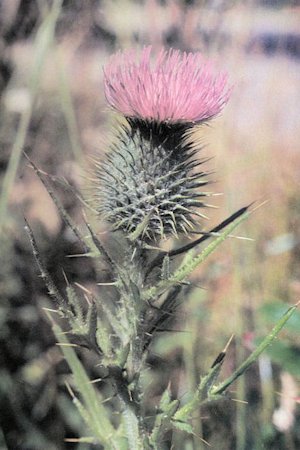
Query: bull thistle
[(148, 187)]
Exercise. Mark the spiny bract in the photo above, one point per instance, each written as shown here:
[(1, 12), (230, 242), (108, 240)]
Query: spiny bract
[(148, 188)]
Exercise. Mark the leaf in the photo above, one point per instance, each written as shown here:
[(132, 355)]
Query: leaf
[(93, 410), (165, 400), (267, 341), (189, 265), (60, 208), (76, 303), (203, 391), (183, 426), (163, 419)]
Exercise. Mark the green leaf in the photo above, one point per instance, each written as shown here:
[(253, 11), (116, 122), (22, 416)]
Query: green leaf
[(92, 410), (203, 391), (189, 265), (165, 400), (183, 426), (267, 341), (76, 303), (162, 423)]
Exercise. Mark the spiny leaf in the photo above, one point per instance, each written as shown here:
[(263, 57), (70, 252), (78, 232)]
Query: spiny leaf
[(100, 247), (257, 352), (163, 419), (63, 213), (187, 268), (165, 400), (183, 426), (52, 289), (203, 391), (98, 418), (76, 303), (92, 323), (184, 249)]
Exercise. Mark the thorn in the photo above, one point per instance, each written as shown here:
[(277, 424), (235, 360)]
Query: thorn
[(239, 401), (198, 286), (78, 255), (87, 300), (167, 330), (65, 277), (106, 400), (78, 440), (220, 358), (66, 344), (112, 283), (51, 310), (133, 254), (84, 289), (70, 390), (202, 440), (62, 333), (208, 205), (215, 194), (97, 380), (228, 343), (99, 365), (152, 247)]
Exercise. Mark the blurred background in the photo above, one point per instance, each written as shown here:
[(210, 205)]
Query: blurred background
[(53, 108)]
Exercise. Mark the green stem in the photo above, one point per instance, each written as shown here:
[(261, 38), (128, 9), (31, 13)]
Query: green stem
[(128, 408)]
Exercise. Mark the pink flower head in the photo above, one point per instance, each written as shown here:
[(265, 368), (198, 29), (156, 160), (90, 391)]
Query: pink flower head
[(175, 87)]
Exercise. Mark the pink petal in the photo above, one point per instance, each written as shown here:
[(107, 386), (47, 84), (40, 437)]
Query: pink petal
[(176, 87)]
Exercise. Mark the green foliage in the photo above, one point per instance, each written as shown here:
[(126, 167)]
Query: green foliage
[(191, 262), (132, 323), (163, 421), (114, 327), (147, 189), (93, 411)]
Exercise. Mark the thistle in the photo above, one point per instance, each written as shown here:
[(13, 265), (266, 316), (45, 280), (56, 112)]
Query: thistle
[(151, 184)]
